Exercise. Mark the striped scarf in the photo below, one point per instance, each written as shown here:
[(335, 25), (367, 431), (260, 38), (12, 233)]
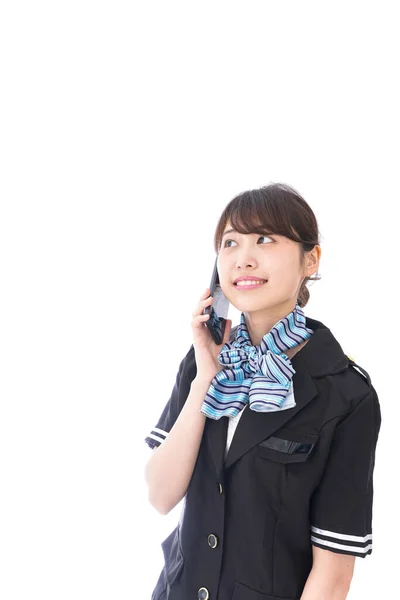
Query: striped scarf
[(258, 375)]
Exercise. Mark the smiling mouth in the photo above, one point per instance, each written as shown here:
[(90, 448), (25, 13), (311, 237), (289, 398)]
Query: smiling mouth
[(249, 283)]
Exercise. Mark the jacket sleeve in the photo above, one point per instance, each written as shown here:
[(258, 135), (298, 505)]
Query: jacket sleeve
[(341, 506), (186, 373)]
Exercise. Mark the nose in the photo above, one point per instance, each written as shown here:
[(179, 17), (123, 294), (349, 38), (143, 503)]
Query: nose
[(244, 260), (240, 265), (245, 257)]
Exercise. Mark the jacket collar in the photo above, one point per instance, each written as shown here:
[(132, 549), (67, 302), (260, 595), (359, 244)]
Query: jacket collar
[(322, 355)]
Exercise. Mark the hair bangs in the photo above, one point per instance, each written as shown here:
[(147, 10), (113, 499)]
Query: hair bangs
[(255, 212)]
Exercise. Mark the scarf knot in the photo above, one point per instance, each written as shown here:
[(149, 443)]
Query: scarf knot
[(258, 375)]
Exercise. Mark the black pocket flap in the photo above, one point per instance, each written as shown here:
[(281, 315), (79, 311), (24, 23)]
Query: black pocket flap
[(288, 446)]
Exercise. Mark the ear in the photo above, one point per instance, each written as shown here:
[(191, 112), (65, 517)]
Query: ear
[(312, 259)]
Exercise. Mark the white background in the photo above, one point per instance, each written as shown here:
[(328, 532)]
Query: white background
[(125, 130)]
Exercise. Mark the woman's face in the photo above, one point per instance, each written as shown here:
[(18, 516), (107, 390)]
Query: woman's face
[(273, 258)]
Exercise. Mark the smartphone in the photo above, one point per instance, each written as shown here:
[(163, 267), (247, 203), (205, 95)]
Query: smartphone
[(218, 311)]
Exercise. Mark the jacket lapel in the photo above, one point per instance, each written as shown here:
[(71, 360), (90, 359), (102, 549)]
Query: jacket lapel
[(320, 356), (253, 426), (216, 432)]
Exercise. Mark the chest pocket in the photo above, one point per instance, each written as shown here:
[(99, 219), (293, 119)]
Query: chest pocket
[(288, 446)]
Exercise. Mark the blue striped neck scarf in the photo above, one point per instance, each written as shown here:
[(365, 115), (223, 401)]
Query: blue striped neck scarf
[(257, 375)]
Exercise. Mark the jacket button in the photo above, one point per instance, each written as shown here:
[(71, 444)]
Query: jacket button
[(212, 540), (203, 594), (220, 488)]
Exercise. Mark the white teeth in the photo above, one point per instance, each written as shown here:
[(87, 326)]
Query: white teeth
[(249, 282)]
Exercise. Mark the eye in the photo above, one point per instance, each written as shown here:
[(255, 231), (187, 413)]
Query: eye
[(227, 241), (266, 237)]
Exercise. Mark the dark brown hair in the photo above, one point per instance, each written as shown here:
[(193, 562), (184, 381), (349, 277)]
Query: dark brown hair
[(278, 209)]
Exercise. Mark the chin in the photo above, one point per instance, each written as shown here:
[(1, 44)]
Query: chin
[(250, 307)]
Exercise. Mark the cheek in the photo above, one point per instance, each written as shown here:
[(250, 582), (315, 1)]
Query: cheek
[(285, 261), (285, 269), (222, 268)]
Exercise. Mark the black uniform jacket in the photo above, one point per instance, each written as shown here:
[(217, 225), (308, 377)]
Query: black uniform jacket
[(291, 479)]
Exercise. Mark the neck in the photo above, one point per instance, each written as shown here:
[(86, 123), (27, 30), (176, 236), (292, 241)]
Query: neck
[(260, 322)]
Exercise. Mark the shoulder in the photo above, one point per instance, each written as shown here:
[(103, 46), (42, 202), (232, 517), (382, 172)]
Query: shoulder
[(353, 391), (325, 356), (358, 371), (337, 375), (358, 378)]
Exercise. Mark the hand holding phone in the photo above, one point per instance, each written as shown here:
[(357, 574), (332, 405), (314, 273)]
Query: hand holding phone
[(205, 348), (219, 311)]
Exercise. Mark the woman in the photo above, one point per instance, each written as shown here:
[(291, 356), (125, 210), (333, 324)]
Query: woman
[(270, 437)]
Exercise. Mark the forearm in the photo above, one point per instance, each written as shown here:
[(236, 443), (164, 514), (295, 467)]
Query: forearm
[(169, 469), (323, 585)]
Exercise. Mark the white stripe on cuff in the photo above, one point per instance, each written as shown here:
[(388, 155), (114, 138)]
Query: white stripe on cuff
[(356, 549), (156, 437), (342, 536), (157, 430)]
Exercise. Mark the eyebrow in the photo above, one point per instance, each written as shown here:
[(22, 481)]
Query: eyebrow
[(260, 232), (228, 231)]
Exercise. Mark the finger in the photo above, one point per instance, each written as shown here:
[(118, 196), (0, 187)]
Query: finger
[(200, 307), (199, 320)]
